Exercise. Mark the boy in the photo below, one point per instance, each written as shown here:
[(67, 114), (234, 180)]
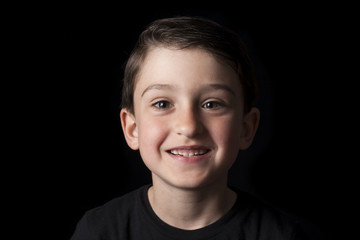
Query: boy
[(188, 107)]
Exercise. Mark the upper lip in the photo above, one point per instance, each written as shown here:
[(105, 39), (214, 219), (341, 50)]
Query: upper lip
[(189, 147)]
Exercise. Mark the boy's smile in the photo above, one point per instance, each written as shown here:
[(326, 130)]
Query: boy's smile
[(188, 120), (189, 153)]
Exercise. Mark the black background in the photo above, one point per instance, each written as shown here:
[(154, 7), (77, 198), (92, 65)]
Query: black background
[(298, 157)]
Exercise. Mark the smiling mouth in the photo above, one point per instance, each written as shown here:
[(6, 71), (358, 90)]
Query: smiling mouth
[(188, 152)]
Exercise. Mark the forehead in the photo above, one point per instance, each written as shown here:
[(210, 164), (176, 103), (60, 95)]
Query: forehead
[(169, 65)]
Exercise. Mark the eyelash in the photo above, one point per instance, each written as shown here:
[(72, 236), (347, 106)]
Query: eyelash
[(160, 104), (216, 103)]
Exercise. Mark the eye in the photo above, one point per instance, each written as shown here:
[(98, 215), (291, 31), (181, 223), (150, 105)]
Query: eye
[(162, 104), (212, 105)]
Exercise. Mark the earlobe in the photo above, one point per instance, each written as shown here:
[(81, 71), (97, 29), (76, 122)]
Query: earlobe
[(129, 128), (250, 126)]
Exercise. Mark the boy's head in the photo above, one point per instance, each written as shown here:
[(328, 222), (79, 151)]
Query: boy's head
[(191, 32), (188, 101)]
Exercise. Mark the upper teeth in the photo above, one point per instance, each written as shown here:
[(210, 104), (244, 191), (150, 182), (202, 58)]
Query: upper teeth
[(188, 153)]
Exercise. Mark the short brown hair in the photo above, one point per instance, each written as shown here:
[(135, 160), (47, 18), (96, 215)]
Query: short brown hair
[(191, 32)]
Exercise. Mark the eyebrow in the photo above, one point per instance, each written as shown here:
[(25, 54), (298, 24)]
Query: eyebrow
[(221, 87), (157, 87), (206, 88)]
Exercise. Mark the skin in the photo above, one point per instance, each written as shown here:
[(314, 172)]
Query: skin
[(189, 125)]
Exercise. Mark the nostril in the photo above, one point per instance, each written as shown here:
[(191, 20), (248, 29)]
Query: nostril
[(187, 121), (189, 127)]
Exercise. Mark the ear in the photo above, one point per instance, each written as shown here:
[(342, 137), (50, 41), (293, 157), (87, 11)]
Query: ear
[(250, 126), (129, 128)]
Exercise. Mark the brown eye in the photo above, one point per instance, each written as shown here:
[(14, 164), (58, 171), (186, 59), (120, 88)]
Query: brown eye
[(162, 105), (211, 105)]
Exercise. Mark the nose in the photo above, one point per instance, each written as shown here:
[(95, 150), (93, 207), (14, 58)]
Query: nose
[(188, 122)]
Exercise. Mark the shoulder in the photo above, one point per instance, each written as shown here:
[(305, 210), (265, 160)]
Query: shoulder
[(117, 207), (106, 219), (261, 218)]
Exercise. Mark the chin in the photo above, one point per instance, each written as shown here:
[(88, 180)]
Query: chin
[(190, 183)]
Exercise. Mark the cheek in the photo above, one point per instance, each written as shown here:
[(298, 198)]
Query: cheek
[(227, 134), (151, 134)]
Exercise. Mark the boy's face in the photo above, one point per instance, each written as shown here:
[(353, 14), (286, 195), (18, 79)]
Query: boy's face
[(188, 120)]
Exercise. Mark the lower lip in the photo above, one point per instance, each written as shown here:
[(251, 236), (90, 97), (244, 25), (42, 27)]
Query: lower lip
[(193, 159)]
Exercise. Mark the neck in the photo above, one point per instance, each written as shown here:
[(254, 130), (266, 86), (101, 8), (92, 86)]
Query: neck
[(190, 209)]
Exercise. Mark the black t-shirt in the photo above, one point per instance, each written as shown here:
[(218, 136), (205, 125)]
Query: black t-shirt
[(131, 217)]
